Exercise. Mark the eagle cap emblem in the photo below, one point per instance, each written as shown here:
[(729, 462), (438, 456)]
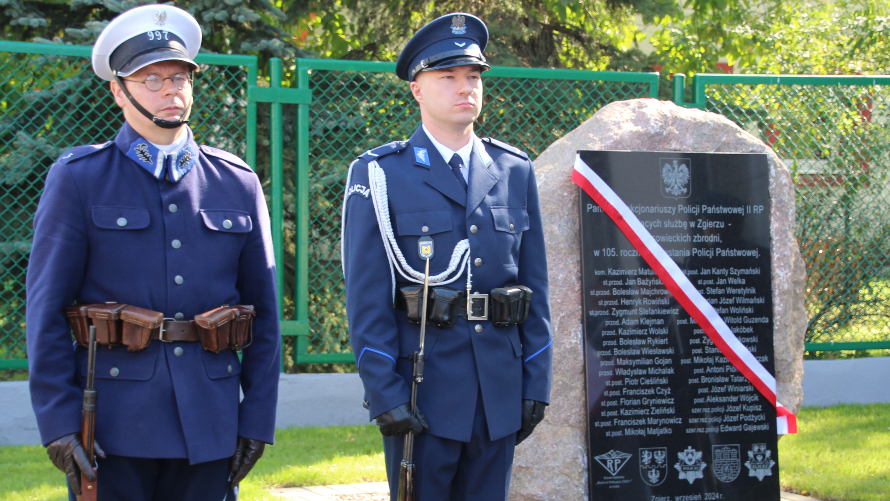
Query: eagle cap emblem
[(160, 17), (458, 25)]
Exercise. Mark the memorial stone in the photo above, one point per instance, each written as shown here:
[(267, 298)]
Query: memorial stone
[(553, 463)]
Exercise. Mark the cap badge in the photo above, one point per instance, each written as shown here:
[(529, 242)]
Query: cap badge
[(458, 25), (160, 17)]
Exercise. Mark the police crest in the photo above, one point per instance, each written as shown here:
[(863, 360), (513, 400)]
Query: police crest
[(727, 462), (676, 177), (160, 17), (759, 463), (613, 461), (653, 465), (690, 465), (458, 25)]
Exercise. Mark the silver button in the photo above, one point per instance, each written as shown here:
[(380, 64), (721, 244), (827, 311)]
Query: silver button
[(227, 224), (230, 369), (425, 229), (178, 279), (114, 371), (178, 351), (178, 316), (176, 244), (478, 327), (478, 261), (511, 226), (473, 229), (173, 208), (122, 221)]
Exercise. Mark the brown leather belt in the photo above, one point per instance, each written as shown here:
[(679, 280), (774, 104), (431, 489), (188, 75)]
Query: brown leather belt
[(176, 330)]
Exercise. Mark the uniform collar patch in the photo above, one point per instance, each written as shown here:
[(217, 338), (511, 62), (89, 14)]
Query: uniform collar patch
[(421, 156), (173, 165)]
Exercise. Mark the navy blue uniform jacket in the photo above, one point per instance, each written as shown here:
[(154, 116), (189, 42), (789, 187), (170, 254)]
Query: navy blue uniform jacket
[(104, 231), (504, 365)]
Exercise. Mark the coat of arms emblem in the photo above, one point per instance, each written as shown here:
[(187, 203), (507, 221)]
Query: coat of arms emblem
[(676, 177), (613, 460), (727, 462), (690, 465), (759, 463), (458, 25), (160, 17), (653, 465)]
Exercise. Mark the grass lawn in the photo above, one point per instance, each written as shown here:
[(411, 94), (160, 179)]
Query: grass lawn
[(841, 452)]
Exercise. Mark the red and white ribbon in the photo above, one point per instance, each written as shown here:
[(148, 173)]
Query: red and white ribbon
[(682, 289)]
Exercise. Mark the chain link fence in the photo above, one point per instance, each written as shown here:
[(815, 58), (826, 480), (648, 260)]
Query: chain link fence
[(52, 101), (834, 135)]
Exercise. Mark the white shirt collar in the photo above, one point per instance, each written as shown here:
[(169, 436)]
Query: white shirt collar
[(447, 152)]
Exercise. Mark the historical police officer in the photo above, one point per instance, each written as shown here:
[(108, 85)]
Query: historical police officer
[(488, 360), (169, 231)]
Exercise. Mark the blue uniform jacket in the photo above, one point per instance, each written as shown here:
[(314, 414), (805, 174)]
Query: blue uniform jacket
[(104, 231), (504, 365)]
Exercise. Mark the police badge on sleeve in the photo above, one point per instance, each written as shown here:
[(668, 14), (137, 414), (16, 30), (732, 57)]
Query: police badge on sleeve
[(727, 462), (653, 465), (759, 463), (690, 465)]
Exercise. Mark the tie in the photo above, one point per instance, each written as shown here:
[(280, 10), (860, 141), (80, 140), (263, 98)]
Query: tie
[(456, 164)]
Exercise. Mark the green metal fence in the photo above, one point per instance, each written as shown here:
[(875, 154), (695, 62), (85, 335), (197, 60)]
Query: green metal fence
[(359, 105), (834, 134)]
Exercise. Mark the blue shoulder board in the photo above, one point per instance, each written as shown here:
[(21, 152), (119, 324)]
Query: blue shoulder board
[(81, 151), (506, 147), (386, 149), (225, 155)]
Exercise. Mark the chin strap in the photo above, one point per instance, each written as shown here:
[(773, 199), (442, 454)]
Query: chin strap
[(160, 122)]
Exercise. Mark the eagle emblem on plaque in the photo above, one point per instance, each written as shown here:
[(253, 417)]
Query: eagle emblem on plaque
[(759, 462), (676, 177), (727, 462), (690, 465), (613, 461), (653, 465)]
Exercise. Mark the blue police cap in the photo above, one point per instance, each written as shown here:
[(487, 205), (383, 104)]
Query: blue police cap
[(456, 39)]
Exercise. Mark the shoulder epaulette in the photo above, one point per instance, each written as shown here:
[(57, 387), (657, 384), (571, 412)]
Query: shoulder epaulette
[(225, 155), (382, 151), (81, 151), (506, 147)]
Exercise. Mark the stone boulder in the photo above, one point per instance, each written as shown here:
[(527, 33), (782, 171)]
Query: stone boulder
[(552, 464)]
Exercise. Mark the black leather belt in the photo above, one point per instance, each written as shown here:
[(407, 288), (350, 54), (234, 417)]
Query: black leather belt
[(479, 304)]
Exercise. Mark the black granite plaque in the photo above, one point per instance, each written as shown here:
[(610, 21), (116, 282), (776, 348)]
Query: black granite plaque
[(670, 419)]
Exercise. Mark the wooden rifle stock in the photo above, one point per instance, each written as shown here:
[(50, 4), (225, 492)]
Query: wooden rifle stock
[(90, 397)]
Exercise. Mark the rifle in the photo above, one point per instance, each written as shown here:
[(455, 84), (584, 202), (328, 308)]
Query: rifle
[(90, 397), (407, 469)]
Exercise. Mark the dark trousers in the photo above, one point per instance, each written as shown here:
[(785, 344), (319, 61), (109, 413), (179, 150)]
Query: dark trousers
[(478, 470), (142, 479)]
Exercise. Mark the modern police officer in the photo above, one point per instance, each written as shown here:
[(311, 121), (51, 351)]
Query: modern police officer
[(486, 378), (155, 221)]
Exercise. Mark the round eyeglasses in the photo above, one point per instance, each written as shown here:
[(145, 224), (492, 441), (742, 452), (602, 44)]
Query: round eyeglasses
[(155, 83)]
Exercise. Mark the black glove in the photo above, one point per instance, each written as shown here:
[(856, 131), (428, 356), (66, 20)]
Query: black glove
[(247, 452), (532, 414), (69, 456), (400, 420)]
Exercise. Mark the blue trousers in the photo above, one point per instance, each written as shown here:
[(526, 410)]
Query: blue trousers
[(448, 470), (143, 479)]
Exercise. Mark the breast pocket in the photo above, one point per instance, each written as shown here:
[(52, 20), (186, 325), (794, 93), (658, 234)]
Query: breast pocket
[(120, 218), (437, 224), (509, 223), (227, 220)]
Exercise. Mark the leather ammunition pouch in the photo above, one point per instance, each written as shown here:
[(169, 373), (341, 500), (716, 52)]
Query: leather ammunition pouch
[(226, 327), (504, 306), (134, 327)]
